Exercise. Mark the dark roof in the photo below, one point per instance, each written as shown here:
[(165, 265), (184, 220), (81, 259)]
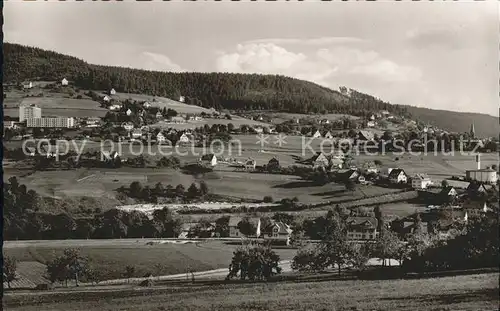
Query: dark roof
[(207, 157), (274, 160), (235, 220), (395, 172), (370, 222)]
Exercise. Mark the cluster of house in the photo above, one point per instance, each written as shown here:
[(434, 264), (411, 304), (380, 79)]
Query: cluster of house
[(278, 232)]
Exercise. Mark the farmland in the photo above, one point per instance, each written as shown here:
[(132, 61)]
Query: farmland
[(112, 256), (53, 104), (469, 292)]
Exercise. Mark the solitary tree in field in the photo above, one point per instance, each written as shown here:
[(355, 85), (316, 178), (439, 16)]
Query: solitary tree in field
[(10, 269), (203, 188), (444, 183), (254, 262)]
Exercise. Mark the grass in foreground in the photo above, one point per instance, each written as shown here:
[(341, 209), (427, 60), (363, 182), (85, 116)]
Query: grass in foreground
[(161, 259), (472, 292)]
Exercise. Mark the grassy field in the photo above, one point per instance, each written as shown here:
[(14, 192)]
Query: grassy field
[(53, 104), (112, 256), (467, 293)]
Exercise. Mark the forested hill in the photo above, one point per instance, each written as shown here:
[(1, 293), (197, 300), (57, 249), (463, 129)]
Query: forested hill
[(224, 90), (218, 90)]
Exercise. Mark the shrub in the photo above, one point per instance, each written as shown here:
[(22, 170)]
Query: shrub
[(268, 199)]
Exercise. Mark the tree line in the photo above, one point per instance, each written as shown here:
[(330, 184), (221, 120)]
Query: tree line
[(209, 90)]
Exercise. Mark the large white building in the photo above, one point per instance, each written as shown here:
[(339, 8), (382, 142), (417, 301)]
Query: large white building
[(58, 122), (31, 111), (486, 175)]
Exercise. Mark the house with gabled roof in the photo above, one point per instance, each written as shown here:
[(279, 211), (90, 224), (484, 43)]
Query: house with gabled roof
[(398, 176), (160, 138), (328, 135), (184, 138), (448, 191), (109, 155), (64, 81), (106, 99), (420, 181), (234, 223), (128, 126), (250, 164), (278, 232), (362, 228), (136, 133), (476, 207), (208, 159), (336, 163), (476, 188), (129, 112), (319, 160), (316, 134), (112, 92), (366, 135), (274, 163)]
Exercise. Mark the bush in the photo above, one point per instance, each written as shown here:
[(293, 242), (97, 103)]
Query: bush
[(268, 199), (146, 283)]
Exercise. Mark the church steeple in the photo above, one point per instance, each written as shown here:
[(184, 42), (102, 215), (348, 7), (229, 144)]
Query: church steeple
[(472, 131)]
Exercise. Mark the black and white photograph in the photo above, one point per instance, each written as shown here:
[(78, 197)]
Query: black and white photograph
[(250, 155)]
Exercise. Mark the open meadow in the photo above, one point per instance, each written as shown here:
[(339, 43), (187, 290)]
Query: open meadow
[(468, 293), (53, 104), (145, 255)]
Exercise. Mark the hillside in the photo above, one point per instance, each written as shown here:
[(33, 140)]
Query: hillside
[(223, 90), (485, 125)]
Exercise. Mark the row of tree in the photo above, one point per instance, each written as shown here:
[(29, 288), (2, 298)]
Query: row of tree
[(210, 90)]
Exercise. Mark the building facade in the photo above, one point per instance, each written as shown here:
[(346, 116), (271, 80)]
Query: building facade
[(31, 111), (60, 122)]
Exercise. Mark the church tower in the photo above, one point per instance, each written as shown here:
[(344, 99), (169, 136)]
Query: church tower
[(472, 131)]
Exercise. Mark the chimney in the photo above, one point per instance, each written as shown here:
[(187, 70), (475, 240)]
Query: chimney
[(478, 161)]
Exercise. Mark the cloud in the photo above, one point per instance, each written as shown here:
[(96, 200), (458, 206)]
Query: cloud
[(324, 66), (448, 37), (321, 41), (157, 62)]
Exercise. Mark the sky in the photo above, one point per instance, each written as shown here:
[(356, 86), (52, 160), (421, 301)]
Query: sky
[(440, 55)]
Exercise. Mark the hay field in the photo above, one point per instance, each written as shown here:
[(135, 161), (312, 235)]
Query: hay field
[(467, 293), (112, 256), (57, 105)]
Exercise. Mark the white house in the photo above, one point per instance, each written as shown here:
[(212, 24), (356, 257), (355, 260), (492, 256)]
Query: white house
[(146, 105), (136, 133), (317, 134), (397, 176), (109, 155), (106, 98), (420, 182), (115, 107), (278, 232), (128, 112), (160, 138), (182, 99), (128, 126), (234, 231), (209, 160), (250, 164), (112, 92), (184, 138), (64, 81), (28, 85), (328, 135), (159, 115), (371, 124), (258, 130)]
